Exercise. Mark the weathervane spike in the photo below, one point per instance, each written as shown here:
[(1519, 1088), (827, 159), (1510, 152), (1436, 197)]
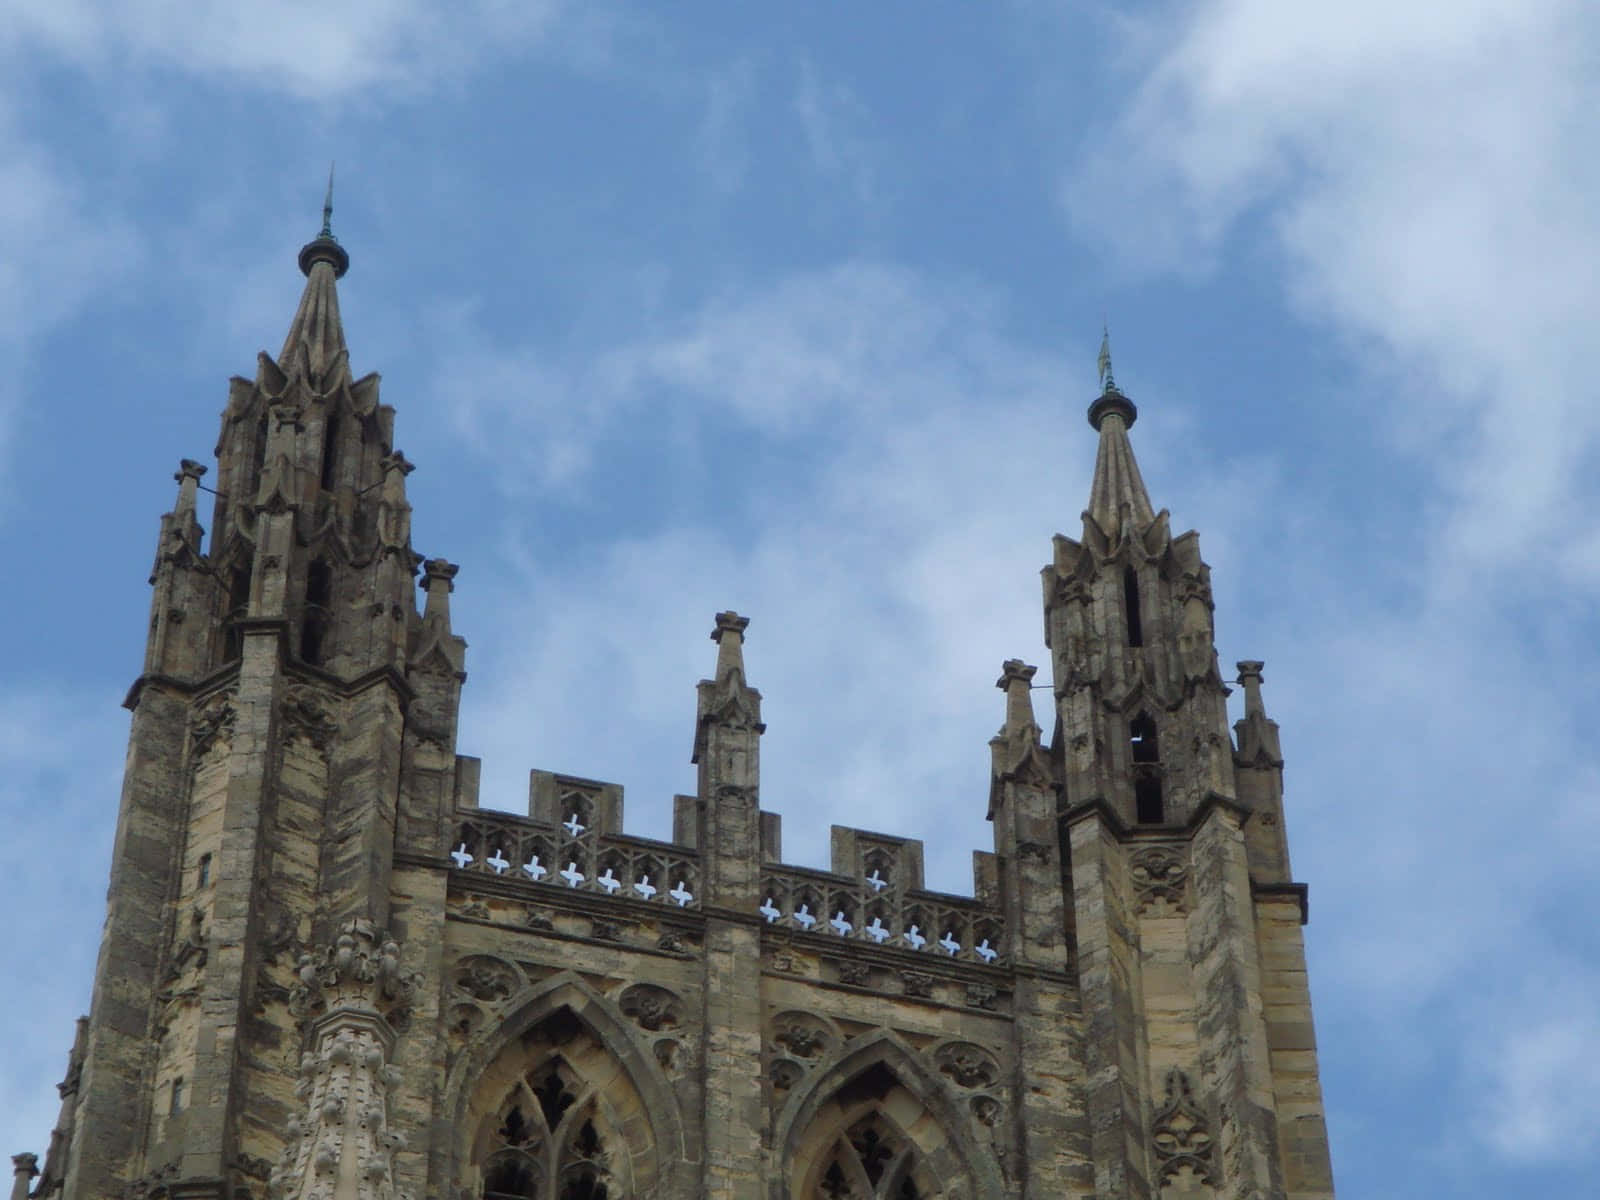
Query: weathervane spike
[(327, 207), (1107, 383)]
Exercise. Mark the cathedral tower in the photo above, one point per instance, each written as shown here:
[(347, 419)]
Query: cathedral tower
[(327, 974)]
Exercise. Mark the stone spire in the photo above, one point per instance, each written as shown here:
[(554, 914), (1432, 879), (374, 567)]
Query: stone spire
[(1118, 502), (314, 348)]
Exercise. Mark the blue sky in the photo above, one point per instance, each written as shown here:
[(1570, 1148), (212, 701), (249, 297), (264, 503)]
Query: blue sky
[(793, 309)]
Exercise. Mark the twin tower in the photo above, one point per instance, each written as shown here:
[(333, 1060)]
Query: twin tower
[(327, 974)]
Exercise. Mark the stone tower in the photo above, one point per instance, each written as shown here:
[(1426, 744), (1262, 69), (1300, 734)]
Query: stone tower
[(327, 974)]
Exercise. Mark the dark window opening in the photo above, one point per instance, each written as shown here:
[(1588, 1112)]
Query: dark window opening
[(1130, 598), (314, 623), (258, 454), (175, 1105), (238, 609), (1147, 800), (554, 1098), (330, 450), (907, 1190), (204, 873), (516, 1130), (1142, 734), (873, 1151), (834, 1183), (510, 1178), (587, 1143), (585, 1185)]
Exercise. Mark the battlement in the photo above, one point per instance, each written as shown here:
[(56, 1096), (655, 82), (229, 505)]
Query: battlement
[(572, 840)]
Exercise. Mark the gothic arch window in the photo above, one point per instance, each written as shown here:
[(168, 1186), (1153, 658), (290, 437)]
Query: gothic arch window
[(1147, 800), (559, 1119), (316, 618), (874, 1140), (330, 451), (238, 609), (1130, 599)]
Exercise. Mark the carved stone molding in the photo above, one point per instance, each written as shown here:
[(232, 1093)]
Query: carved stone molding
[(967, 1065), (306, 716), (650, 1007), (803, 1035), (1160, 879), (359, 972), (212, 722), (485, 978), (1181, 1135)]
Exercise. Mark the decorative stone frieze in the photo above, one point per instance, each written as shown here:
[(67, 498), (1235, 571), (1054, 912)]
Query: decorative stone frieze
[(1160, 879), (1181, 1135)]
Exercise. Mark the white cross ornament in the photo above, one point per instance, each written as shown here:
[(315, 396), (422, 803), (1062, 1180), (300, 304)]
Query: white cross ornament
[(986, 952), (914, 937), (803, 916), (876, 931), (499, 862), (681, 894), (573, 826), (461, 856), (769, 910), (841, 926), (610, 882), (535, 869), (645, 888), (876, 882), (572, 875), (949, 943)]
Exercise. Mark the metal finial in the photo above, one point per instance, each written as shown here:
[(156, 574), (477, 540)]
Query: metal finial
[(1107, 383), (327, 207)]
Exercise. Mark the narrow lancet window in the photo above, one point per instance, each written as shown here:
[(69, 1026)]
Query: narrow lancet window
[(1147, 801), (203, 875), (314, 622), (238, 609), (330, 450), (1130, 603)]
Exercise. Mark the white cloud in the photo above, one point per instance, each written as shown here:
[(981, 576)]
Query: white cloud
[(313, 49), (1425, 172)]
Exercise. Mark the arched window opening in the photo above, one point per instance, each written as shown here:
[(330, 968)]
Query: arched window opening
[(555, 1131), (511, 1177), (1142, 734), (873, 1159), (330, 450), (238, 609), (1149, 808), (315, 620), (258, 454), (1130, 602)]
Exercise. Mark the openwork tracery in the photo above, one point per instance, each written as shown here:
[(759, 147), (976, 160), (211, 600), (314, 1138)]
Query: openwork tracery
[(556, 1131)]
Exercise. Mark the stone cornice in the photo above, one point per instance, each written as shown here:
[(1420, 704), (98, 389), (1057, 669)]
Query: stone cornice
[(1299, 892)]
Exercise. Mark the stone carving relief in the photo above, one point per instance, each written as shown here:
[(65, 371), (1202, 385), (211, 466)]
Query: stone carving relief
[(1160, 879), (486, 979), (339, 1144), (306, 716), (1181, 1135), (981, 995), (967, 1065), (803, 1035), (650, 1007), (917, 983), (359, 971), (211, 723), (785, 1073)]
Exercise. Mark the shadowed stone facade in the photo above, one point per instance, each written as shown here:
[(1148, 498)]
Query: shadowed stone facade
[(327, 974)]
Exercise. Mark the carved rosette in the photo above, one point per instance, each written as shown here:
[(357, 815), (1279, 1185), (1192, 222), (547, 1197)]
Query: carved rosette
[(340, 1146)]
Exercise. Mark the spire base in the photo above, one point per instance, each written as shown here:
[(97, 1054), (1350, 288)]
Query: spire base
[(1113, 401), (324, 249)]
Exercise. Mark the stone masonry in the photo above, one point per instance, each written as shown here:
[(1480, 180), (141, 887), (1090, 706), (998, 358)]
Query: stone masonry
[(327, 974)]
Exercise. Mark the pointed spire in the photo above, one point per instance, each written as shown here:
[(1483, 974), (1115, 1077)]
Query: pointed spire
[(1117, 497), (314, 346)]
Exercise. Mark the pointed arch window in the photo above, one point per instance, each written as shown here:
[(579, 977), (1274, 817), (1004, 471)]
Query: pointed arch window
[(1149, 807), (872, 1160), (316, 618), (1130, 606), (557, 1131), (238, 609), (330, 451)]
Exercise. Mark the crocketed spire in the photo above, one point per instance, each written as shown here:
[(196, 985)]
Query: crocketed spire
[(1118, 502)]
